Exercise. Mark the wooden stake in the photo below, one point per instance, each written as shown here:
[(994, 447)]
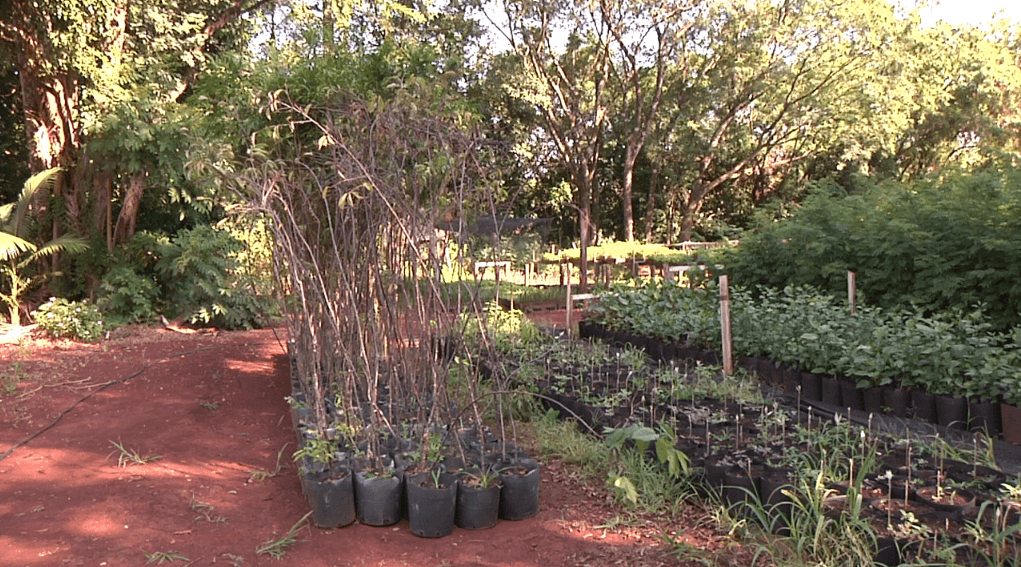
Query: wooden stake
[(570, 310), (851, 291), (497, 268), (728, 347)]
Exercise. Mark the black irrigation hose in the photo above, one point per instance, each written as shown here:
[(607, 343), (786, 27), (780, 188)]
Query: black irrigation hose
[(145, 367)]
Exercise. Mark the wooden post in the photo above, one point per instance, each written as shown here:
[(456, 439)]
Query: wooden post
[(728, 347), (497, 268), (851, 291), (528, 269), (570, 310)]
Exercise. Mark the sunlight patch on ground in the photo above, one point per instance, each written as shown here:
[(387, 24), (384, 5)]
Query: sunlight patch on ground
[(99, 525), (250, 367)]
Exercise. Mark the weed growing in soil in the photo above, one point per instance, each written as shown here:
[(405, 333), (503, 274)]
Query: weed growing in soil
[(687, 553), (161, 557), (205, 511), (14, 374), (127, 456), (994, 535), (649, 486), (261, 475), (277, 548), (10, 385), (563, 440), (211, 406)]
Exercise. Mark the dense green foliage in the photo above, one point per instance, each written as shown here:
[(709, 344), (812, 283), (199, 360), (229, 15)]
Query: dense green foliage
[(196, 275), (127, 297), (198, 271), (945, 243)]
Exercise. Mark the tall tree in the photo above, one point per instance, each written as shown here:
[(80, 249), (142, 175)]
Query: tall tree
[(764, 79), (77, 58), (567, 86), (644, 38)]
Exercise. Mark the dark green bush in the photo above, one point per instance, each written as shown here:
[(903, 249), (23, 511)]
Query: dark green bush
[(199, 276), (944, 244), (127, 296)]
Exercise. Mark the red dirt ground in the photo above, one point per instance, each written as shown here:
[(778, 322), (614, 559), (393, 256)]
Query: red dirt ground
[(65, 501)]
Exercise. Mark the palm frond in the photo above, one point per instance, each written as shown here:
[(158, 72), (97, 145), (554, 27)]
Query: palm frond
[(41, 180), (67, 243), (12, 246), (5, 212)]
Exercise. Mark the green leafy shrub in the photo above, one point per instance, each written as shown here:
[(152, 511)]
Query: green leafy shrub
[(64, 319), (127, 297), (945, 244), (199, 276)]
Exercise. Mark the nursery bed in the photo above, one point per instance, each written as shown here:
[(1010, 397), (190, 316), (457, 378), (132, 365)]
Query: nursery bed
[(212, 405)]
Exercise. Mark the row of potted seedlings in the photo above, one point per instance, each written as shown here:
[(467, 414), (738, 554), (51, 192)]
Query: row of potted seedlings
[(763, 460), (461, 478), (949, 369), (953, 411)]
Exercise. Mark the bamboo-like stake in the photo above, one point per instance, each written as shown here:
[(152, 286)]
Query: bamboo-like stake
[(570, 311), (852, 291)]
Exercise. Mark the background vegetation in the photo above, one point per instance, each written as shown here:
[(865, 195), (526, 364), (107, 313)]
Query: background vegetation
[(640, 120), (943, 243)]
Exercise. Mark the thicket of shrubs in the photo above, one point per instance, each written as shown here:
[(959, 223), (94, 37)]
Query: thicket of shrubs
[(943, 244)]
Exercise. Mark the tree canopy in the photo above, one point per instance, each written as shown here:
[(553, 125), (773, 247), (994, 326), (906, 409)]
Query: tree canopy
[(683, 118)]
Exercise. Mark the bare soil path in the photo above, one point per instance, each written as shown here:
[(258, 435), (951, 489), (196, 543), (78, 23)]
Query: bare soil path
[(211, 406)]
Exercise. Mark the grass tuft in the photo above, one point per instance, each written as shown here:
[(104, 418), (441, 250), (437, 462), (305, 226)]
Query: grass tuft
[(277, 548), (127, 456), (261, 475), (161, 557), (205, 511)]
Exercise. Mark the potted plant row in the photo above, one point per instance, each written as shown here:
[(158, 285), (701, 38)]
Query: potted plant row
[(948, 367), (753, 474), (344, 483)]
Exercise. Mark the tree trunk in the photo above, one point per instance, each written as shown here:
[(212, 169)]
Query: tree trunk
[(670, 220), (692, 205), (102, 208), (50, 104), (128, 216), (650, 203), (328, 27), (629, 175), (584, 225), (687, 223)]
